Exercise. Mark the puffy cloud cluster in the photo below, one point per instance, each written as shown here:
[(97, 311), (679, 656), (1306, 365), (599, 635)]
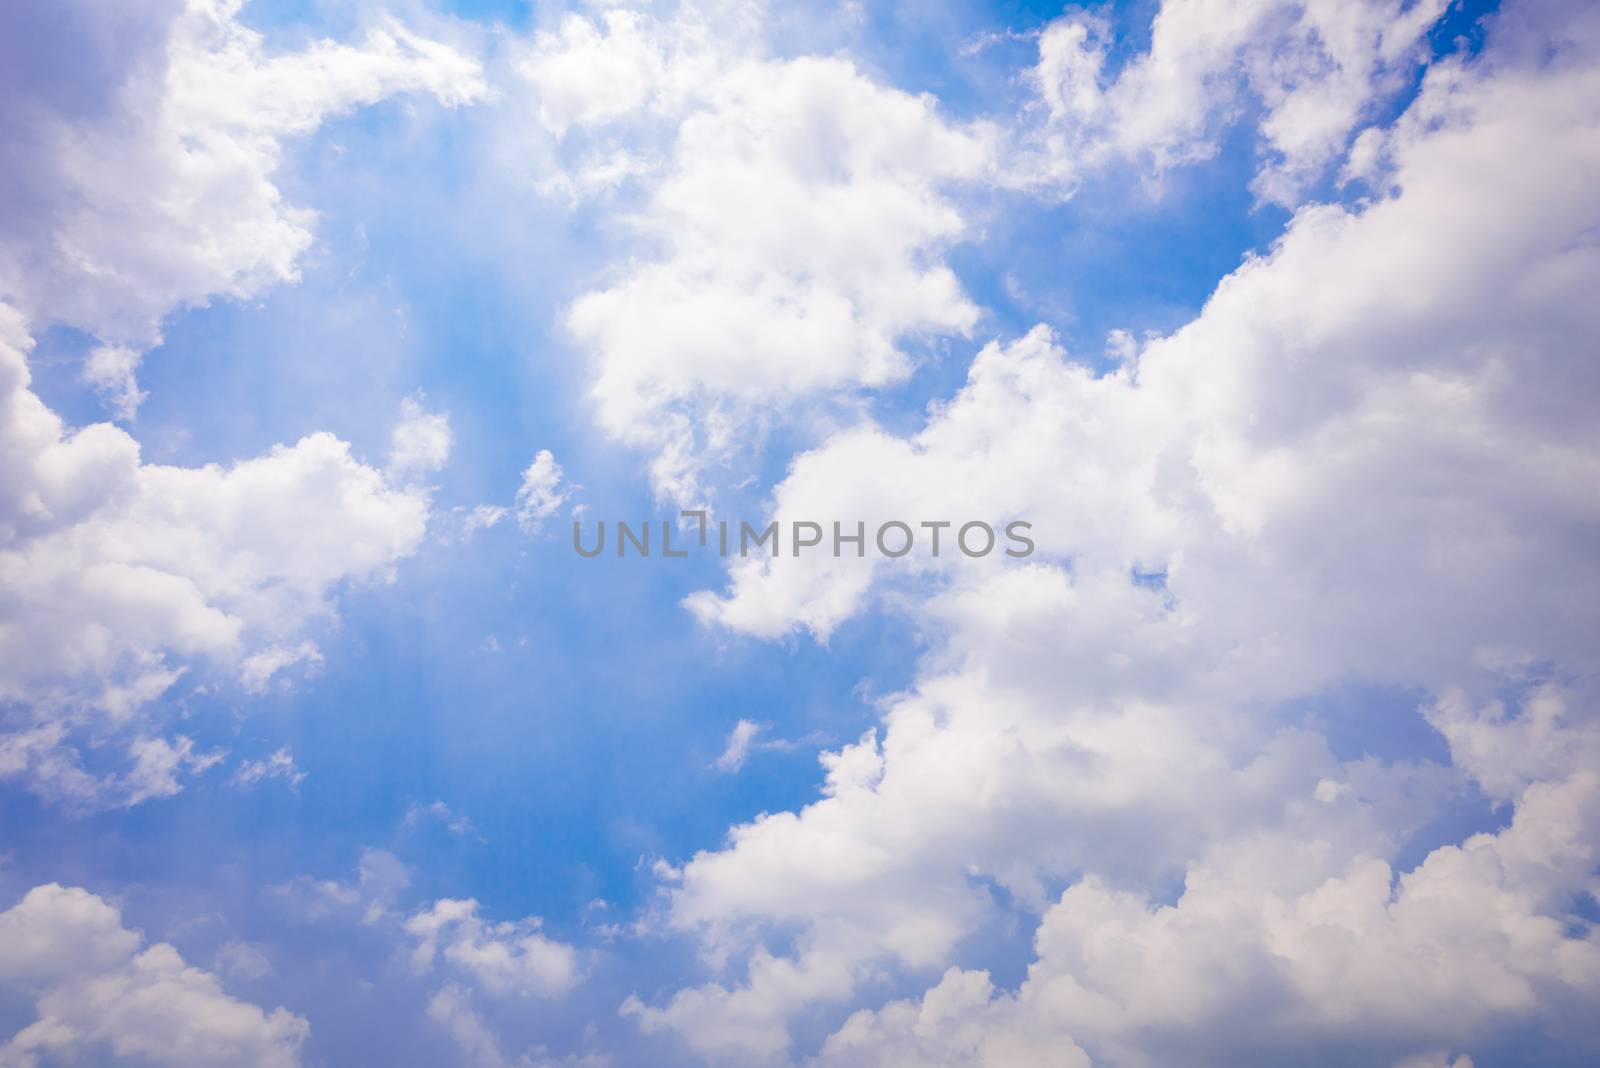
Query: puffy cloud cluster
[(145, 142), (99, 989), (503, 958), (797, 214), (142, 187), (1316, 72), (1288, 942), (1368, 413), (805, 210), (508, 961), (119, 573), (1368, 459)]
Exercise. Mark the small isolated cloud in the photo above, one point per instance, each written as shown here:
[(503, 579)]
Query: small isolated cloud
[(243, 960), (508, 959), (1435, 1059), (482, 517), (541, 494), (451, 1008), (279, 765), (380, 878), (743, 741), (110, 371), (738, 748), (455, 822), (420, 442)]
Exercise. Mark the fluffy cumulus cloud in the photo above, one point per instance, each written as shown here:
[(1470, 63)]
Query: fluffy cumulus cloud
[(119, 574), (503, 958), (99, 990), (1367, 459), (1337, 948), (472, 959), (796, 211), (1314, 72), (420, 442), (144, 187), (1367, 462), (146, 184), (804, 209)]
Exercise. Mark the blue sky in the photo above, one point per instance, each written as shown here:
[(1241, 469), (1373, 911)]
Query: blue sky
[(1227, 335)]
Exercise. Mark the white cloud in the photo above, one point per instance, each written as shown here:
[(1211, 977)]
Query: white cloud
[(1436, 1058), (747, 738), (97, 987), (1317, 71), (147, 186), (1366, 460), (542, 492), (1472, 940), (738, 749), (509, 961), (503, 958), (480, 517), (278, 765), (110, 369), (585, 76), (245, 960), (157, 763), (380, 879), (798, 220), (158, 192), (457, 823), (122, 574), (44, 756), (451, 1008), (258, 669), (420, 442)]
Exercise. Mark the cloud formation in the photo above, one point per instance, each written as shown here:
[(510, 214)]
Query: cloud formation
[(1364, 460), (797, 214), (120, 574), (148, 186), (1314, 73), (99, 989)]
